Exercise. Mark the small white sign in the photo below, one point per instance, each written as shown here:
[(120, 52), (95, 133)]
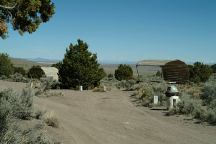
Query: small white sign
[(155, 100), (81, 88)]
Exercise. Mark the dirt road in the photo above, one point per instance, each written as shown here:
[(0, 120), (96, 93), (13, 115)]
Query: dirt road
[(110, 118)]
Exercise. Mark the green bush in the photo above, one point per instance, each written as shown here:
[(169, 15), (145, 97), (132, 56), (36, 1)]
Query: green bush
[(6, 67), (36, 72), (123, 72), (209, 91), (213, 68), (57, 65), (19, 70), (199, 72), (80, 67), (211, 116)]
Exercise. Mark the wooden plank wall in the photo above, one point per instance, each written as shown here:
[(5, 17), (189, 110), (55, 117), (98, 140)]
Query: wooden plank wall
[(176, 71)]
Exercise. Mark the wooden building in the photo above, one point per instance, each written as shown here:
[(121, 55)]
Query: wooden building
[(173, 71)]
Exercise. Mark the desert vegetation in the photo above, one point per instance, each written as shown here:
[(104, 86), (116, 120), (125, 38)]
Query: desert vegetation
[(24, 16), (200, 72), (80, 68), (6, 67), (13, 109), (123, 72), (35, 72)]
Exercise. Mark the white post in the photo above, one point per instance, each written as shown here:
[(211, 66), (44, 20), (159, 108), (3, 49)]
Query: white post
[(81, 88), (155, 100), (174, 100)]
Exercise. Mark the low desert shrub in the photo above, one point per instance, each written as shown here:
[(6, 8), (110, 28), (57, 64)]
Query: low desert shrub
[(123, 72), (15, 134), (126, 85), (14, 108), (43, 87), (51, 120), (188, 105), (209, 91), (38, 114), (109, 82), (17, 77), (48, 83), (211, 116), (147, 91), (19, 106), (35, 72), (110, 76), (192, 106), (3, 77), (146, 94)]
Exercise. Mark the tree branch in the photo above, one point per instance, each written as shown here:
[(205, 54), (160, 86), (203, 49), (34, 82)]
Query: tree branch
[(8, 7)]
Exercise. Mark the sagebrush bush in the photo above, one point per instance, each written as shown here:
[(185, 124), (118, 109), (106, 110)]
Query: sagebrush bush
[(123, 72), (35, 72), (209, 91), (146, 94), (192, 106), (6, 66), (15, 134), (17, 77), (38, 114), (188, 105), (80, 67), (128, 85), (147, 91), (211, 116), (19, 106), (13, 108), (49, 83)]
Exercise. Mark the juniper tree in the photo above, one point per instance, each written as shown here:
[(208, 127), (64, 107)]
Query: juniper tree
[(24, 15), (80, 67)]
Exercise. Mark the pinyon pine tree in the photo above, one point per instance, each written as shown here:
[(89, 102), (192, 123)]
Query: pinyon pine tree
[(80, 67)]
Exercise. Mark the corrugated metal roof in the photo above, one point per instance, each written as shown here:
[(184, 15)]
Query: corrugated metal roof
[(51, 72)]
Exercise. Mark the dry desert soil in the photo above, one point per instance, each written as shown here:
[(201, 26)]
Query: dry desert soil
[(112, 118)]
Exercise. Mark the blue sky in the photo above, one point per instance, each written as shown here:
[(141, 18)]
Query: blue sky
[(124, 30)]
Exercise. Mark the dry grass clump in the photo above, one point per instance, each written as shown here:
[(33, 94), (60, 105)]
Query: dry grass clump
[(51, 120), (102, 88), (191, 89)]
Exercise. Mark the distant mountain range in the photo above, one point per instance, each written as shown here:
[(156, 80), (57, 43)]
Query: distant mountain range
[(43, 60)]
